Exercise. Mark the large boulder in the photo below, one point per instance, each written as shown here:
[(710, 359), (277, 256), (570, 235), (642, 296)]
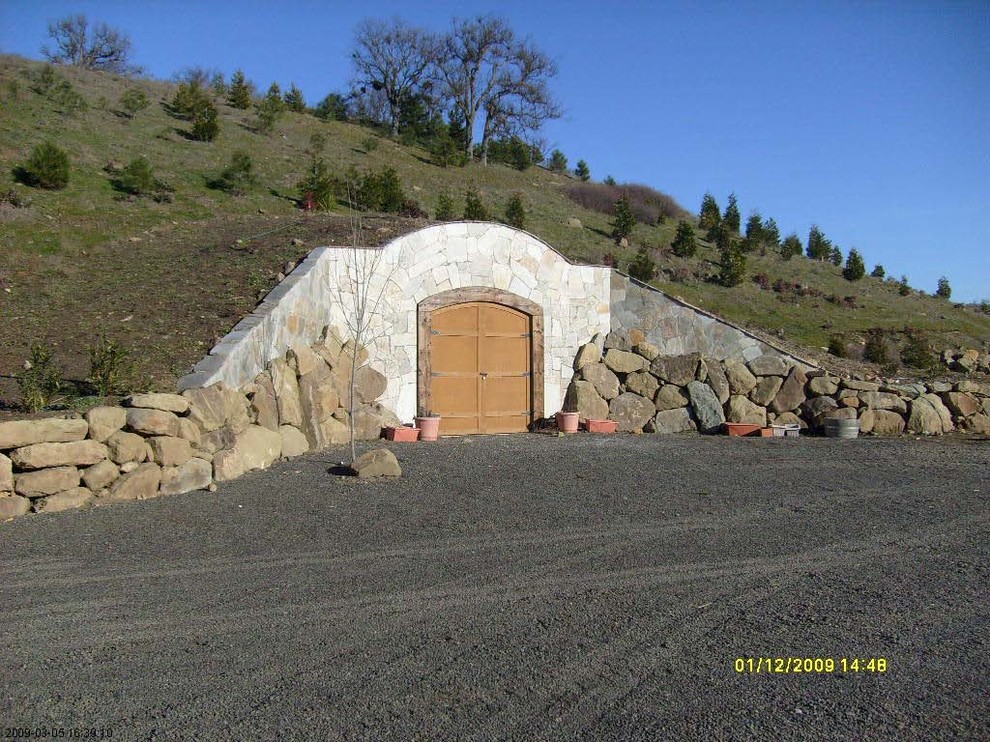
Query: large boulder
[(44, 455), (100, 476), (706, 407), (378, 462), (741, 379), (791, 393), (619, 339), (883, 401), (330, 346), (294, 442), (369, 384), (643, 384), (194, 474), (158, 401), (624, 362), (817, 409), (261, 395), (631, 411), (254, 448), (215, 406), (11, 506), (766, 390), (17, 433), (139, 484), (46, 481), (929, 416), (583, 398), (369, 419), (606, 383), (319, 399), (672, 421), (741, 410), (769, 364), (822, 386), (648, 350), (859, 385), (587, 353), (305, 359), (189, 431), (152, 422), (677, 370), (670, 397), (961, 404), (168, 451), (978, 424), (76, 497), (123, 447), (105, 421), (286, 393), (717, 380), (6, 474), (883, 422)]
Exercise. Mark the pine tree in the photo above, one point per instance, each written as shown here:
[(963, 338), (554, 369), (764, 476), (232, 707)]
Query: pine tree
[(855, 268), (515, 212), (903, 288), (474, 209), (47, 167), (771, 234), (205, 121), (754, 232), (732, 216), (709, 216), (642, 267), (582, 170), (624, 222), (944, 290), (294, 100), (878, 271), (684, 244), (732, 262), (558, 161), (819, 248), (240, 92), (835, 256), (445, 208), (791, 246)]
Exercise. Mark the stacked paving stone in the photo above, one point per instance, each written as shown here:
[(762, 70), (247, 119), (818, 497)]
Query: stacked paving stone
[(166, 444), (623, 377)]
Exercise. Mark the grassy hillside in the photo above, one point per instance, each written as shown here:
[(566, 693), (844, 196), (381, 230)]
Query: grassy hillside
[(168, 279)]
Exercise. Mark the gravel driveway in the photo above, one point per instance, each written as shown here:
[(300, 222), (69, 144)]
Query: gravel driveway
[(520, 587)]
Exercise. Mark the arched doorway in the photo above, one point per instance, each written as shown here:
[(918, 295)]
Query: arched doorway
[(481, 360)]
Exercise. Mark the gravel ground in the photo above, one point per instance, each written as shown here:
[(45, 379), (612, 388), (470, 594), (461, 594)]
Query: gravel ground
[(519, 587)]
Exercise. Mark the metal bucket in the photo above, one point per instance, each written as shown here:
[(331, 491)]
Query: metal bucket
[(840, 427)]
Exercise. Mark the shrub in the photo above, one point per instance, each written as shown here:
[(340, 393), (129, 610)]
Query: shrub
[(582, 170), (138, 179), (791, 246), (558, 161), (12, 197), (944, 290), (369, 144), (835, 257), (917, 351), (902, 286), (380, 191), (837, 347), (445, 151), (762, 280), (40, 381), (474, 209), (624, 221), (643, 267), (878, 271), (684, 245), (681, 274), (205, 122), (819, 248), (133, 101), (445, 208), (188, 97), (238, 176), (515, 212), (47, 167), (332, 108), (647, 203), (512, 151), (317, 188), (411, 209), (609, 181), (855, 269), (110, 368), (876, 347)]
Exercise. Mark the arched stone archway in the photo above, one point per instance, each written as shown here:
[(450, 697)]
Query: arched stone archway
[(491, 344)]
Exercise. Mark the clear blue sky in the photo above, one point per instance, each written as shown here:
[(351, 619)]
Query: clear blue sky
[(871, 119)]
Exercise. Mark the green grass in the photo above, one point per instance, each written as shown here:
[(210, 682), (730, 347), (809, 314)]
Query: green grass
[(168, 279)]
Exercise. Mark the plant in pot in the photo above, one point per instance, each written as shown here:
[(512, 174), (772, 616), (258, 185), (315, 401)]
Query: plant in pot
[(428, 424)]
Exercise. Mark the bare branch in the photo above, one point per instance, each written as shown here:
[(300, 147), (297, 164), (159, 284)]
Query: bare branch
[(99, 48)]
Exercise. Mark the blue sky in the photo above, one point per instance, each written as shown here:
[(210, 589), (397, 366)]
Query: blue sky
[(871, 119)]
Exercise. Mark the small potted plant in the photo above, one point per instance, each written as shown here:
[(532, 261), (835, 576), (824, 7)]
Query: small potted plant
[(429, 425), (402, 433), (567, 420)]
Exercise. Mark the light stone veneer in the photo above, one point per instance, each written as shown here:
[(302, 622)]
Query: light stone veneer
[(319, 292)]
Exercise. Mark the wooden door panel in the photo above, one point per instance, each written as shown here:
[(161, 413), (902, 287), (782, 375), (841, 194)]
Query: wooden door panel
[(459, 319), (455, 354), (506, 355), (495, 319), (505, 395)]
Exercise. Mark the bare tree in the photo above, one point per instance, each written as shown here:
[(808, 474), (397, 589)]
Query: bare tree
[(391, 57), (486, 69), (99, 47)]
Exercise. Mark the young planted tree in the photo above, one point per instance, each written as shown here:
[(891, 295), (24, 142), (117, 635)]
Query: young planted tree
[(791, 246), (855, 268), (754, 232), (332, 108), (445, 208), (732, 263), (238, 176), (294, 100), (474, 209), (732, 217), (515, 212), (133, 101), (100, 47), (771, 234), (642, 267), (624, 221), (558, 161), (878, 271), (944, 290), (709, 216), (240, 92), (47, 167), (819, 248), (582, 170), (205, 121), (835, 257), (903, 288), (684, 245)]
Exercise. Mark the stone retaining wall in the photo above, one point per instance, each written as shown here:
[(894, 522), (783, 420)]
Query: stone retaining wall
[(625, 377), (165, 444)]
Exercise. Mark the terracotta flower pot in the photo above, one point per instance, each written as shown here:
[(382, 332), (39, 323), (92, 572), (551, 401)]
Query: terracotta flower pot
[(402, 433), (567, 422), (601, 426), (429, 428), (742, 428)]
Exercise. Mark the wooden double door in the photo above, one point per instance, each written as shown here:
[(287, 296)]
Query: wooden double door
[(481, 374)]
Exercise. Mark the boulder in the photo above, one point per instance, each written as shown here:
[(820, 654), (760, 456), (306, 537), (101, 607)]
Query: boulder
[(717, 380), (978, 424), (305, 358), (217, 440), (643, 384), (332, 432), (369, 384), (152, 422), (587, 353), (961, 404), (929, 416), (606, 383), (573, 221), (286, 393), (262, 399), (741, 410), (885, 422), (618, 339), (44, 455), (100, 475), (817, 409), (215, 406), (677, 370), (189, 431), (105, 421), (6, 474), (706, 407), (624, 362), (46, 481), (838, 413), (139, 484), (254, 448), (123, 447), (11, 506), (769, 364), (967, 361), (822, 386), (971, 387), (986, 406), (649, 351), (789, 418), (883, 401), (670, 397), (348, 351), (583, 398), (195, 474), (859, 386), (378, 462), (911, 391), (852, 402), (319, 399), (938, 387), (329, 346), (791, 393), (294, 442), (158, 401), (765, 390), (672, 421), (369, 419), (631, 411), (168, 451), (17, 433), (76, 497), (741, 380), (867, 418)]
